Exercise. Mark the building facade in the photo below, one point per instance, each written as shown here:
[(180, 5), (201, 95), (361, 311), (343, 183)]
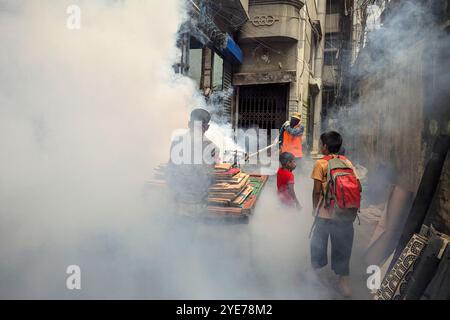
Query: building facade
[(262, 60), (282, 46), (209, 51), (402, 94), (337, 57)]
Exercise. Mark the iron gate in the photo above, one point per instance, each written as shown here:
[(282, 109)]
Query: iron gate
[(263, 106)]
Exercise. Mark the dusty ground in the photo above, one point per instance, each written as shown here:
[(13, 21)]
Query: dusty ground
[(270, 256), (161, 257), (291, 230)]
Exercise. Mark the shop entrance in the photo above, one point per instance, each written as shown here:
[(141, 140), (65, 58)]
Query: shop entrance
[(262, 106)]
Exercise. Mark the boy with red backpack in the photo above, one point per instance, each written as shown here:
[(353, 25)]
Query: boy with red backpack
[(336, 201)]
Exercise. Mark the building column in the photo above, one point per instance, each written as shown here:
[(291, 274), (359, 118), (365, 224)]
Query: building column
[(318, 68), (293, 99), (183, 43), (207, 66)]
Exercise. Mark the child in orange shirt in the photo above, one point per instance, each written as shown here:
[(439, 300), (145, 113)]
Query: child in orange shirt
[(327, 226)]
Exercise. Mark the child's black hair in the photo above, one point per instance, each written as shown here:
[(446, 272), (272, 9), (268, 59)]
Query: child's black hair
[(294, 122), (333, 140), (285, 157)]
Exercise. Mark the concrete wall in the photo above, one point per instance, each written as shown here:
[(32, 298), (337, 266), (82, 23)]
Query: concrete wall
[(399, 121), (305, 65), (244, 4), (261, 58), (281, 44), (269, 21), (388, 123)]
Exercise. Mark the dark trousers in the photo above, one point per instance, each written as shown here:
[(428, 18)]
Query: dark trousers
[(341, 236)]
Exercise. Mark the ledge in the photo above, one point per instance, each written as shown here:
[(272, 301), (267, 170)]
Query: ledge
[(240, 79), (277, 20), (296, 3)]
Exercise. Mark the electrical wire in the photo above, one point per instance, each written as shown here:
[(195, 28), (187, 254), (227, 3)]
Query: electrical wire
[(267, 46)]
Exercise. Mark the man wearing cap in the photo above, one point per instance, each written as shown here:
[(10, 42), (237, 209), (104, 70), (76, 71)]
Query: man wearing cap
[(192, 160), (291, 135)]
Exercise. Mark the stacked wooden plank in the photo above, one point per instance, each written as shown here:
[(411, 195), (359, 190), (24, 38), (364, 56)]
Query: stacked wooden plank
[(257, 182), (231, 187), (234, 193)]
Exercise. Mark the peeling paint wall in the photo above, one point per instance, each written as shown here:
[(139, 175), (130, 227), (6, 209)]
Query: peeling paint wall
[(391, 124)]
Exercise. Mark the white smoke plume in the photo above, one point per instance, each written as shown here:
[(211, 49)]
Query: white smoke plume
[(85, 116), (398, 88), (400, 93)]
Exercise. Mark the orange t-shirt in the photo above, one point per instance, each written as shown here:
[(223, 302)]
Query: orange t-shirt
[(292, 144), (320, 173)]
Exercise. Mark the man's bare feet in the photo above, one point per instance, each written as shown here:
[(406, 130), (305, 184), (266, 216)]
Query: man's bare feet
[(344, 286), (321, 277)]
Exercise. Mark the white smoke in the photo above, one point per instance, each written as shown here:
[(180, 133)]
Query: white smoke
[(373, 17), (85, 116)]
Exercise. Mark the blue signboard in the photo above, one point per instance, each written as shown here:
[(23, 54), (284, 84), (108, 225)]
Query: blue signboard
[(233, 52)]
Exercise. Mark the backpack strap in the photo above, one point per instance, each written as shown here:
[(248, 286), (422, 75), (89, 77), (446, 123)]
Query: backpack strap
[(327, 158), (328, 195), (330, 156)]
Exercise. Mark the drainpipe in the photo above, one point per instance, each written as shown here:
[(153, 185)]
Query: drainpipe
[(318, 67)]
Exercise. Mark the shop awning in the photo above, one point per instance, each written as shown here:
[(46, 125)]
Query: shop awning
[(232, 52), (210, 35)]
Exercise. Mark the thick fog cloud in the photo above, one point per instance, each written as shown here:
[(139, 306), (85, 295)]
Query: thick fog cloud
[(85, 116)]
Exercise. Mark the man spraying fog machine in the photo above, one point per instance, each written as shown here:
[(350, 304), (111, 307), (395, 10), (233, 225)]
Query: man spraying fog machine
[(202, 186), (291, 137)]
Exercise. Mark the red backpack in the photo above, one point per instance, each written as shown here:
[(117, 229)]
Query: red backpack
[(343, 193)]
